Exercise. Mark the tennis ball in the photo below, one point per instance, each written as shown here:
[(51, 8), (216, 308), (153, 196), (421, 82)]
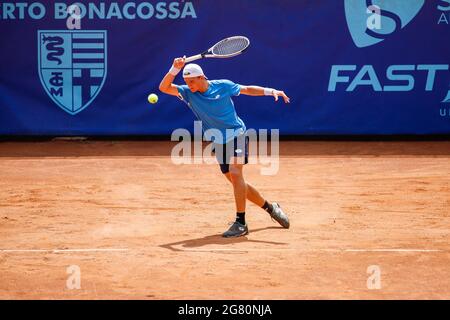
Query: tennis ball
[(153, 98)]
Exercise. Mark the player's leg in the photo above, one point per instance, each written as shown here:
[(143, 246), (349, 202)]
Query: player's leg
[(235, 155), (253, 195), (239, 186), (235, 172), (232, 168), (273, 209), (239, 227)]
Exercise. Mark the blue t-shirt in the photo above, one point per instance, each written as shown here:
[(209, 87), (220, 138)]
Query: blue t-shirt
[(215, 108)]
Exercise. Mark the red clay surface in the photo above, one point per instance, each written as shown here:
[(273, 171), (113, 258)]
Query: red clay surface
[(148, 229)]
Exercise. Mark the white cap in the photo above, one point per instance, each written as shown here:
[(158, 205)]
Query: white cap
[(193, 70)]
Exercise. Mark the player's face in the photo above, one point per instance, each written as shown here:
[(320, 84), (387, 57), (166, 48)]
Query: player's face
[(194, 84)]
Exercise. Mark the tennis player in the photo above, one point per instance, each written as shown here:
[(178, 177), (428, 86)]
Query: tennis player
[(211, 101)]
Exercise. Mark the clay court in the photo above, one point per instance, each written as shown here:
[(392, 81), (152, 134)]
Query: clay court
[(140, 227)]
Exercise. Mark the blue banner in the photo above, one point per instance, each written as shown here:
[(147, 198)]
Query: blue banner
[(349, 66)]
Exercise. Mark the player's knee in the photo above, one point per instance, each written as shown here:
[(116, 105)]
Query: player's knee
[(235, 173), (228, 176)]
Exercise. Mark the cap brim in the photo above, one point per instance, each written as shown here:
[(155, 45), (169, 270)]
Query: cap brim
[(191, 76)]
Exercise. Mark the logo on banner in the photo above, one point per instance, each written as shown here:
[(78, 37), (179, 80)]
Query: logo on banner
[(394, 15), (447, 98), (371, 22), (72, 66)]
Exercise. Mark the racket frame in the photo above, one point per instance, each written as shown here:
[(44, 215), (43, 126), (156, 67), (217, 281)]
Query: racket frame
[(209, 54)]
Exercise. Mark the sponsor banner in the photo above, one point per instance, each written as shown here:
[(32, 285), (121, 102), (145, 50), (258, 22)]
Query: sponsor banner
[(349, 66)]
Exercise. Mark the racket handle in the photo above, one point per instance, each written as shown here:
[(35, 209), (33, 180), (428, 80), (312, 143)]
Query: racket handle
[(193, 58)]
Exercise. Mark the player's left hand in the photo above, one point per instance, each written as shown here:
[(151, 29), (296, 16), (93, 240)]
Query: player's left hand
[(276, 94)]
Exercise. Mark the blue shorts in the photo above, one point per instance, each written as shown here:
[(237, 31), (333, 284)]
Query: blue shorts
[(238, 147)]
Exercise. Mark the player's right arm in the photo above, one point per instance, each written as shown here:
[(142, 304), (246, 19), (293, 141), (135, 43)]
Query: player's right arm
[(166, 85)]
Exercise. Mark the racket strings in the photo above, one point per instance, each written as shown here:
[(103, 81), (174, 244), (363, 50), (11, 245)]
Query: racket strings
[(231, 46)]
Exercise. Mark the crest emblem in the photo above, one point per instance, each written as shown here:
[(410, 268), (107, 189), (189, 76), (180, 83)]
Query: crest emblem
[(72, 66), (395, 15)]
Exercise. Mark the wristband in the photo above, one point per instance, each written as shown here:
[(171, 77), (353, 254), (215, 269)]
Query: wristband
[(174, 71), (268, 91)]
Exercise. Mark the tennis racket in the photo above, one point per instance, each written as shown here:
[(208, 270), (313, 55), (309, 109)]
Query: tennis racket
[(227, 48)]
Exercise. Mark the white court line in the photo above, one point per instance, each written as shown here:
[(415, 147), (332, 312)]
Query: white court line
[(218, 249), (61, 250), (393, 250), (311, 250)]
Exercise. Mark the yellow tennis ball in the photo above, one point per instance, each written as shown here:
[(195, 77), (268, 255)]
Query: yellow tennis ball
[(153, 98)]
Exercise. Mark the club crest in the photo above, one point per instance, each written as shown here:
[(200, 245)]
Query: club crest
[(72, 66)]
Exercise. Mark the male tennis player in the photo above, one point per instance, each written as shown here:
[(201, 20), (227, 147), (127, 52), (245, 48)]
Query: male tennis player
[(211, 102)]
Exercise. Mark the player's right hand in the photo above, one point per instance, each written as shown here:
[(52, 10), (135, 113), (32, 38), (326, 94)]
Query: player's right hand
[(179, 62)]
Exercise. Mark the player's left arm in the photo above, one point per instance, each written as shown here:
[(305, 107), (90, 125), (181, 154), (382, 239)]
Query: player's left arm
[(260, 91)]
